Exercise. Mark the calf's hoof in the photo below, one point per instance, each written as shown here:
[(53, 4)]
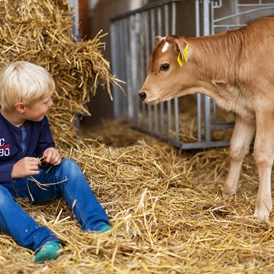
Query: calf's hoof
[(262, 214), (228, 194)]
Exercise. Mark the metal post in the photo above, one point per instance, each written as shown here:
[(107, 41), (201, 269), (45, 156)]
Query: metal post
[(169, 112), (207, 102), (176, 100), (114, 64), (75, 30), (162, 114), (199, 95)]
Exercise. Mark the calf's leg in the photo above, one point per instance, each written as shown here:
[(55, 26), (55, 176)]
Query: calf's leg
[(239, 147), (263, 155)]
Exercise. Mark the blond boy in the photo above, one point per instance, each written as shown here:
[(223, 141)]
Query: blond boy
[(26, 151)]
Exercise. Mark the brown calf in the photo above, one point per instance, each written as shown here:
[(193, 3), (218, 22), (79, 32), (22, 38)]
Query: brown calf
[(236, 69)]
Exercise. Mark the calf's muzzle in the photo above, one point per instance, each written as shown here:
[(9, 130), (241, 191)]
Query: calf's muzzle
[(142, 95)]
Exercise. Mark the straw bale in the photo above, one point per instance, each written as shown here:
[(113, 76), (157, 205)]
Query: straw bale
[(41, 32), (165, 208)]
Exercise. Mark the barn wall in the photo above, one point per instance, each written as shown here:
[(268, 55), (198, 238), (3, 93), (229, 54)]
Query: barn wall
[(83, 7), (101, 107)]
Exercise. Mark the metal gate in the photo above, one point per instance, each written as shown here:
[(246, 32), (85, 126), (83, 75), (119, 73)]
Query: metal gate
[(188, 122)]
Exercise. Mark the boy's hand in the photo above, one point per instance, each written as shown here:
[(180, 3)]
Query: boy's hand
[(25, 167), (52, 156)]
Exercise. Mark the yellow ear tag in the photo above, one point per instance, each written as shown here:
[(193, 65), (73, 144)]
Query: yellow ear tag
[(185, 53), (179, 59)]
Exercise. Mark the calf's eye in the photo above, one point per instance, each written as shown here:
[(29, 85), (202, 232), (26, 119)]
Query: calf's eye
[(164, 67)]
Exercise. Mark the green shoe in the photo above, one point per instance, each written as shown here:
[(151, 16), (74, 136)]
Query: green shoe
[(104, 228), (49, 251)]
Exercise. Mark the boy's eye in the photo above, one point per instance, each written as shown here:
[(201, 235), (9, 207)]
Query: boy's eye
[(46, 102)]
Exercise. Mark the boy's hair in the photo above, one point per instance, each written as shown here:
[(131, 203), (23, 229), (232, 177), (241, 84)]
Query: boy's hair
[(24, 82)]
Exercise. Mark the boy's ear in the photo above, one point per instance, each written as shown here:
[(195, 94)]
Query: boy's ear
[(20, 107)]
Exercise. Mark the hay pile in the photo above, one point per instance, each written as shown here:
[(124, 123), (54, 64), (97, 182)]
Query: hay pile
[(41, 32), (166, 210)]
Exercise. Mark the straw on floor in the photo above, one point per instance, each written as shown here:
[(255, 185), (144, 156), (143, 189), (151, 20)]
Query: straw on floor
[(166, 211)]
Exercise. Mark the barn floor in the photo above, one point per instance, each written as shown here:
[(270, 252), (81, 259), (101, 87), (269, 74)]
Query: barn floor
[(165, 208)]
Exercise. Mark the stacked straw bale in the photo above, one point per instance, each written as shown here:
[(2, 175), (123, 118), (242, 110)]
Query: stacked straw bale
[(41, 32)]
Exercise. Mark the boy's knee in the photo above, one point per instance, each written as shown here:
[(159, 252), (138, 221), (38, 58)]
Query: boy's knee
[(68, 162), (4, 195), (70, 165)]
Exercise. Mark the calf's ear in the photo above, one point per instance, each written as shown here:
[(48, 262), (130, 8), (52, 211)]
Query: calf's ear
[(158, 39), (183, 49)]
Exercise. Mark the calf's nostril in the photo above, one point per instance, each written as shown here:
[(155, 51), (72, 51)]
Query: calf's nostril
[(142, 95)]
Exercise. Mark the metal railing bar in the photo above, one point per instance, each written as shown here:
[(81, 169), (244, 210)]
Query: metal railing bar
[(243, 13), (145, 8)]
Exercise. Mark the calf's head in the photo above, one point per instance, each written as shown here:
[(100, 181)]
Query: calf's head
[(168, 70)]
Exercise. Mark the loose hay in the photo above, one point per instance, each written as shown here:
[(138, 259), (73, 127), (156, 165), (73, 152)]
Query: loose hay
[(166, 211)]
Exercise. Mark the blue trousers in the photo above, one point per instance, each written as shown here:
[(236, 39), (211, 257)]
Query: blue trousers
[(73, 187)]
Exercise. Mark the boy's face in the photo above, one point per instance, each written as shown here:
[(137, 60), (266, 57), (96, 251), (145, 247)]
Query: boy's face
[(38, 110)]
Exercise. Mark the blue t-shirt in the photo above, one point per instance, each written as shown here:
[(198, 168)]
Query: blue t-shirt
[(31, 139)]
